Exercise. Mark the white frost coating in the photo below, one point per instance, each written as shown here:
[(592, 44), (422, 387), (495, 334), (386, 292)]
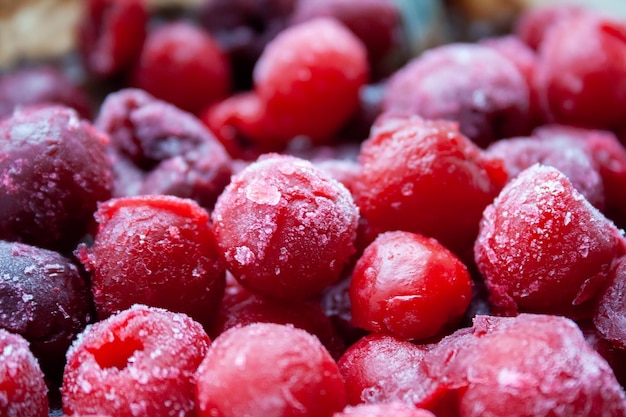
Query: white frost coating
[(244, 255), (263, 193)]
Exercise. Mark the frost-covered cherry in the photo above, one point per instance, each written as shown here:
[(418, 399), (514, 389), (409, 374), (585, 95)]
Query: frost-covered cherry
[(426, 177), (44, 298), (139, 362), (268, 369), (284, 227), (472, 84), (543, 247), (610, 313), (22, 387), (154, 250), (53, 171)]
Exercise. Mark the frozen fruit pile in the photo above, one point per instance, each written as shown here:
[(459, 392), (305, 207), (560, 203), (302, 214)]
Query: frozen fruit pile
[(269, 209)]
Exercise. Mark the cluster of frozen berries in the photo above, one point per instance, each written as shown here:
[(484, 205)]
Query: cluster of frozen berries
[(219, 237)]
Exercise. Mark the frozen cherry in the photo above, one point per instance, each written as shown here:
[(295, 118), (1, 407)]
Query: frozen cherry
[(377, 23), (53, 172), (139, 362), (581, 74), (383, 410), (409, 286), (154, 250), (244, 28), (534, 24), (543, 247), (530, 365), (240, 307), (189, 80), (41, 85), (382, 368), (610, 314), (426, 177), (43, 298), (608, 155), (110, 35), (268, 369), (148, 130), (22, 387), (306, 83), (200, 174), (573, 161), (285, 228), (472, 84)]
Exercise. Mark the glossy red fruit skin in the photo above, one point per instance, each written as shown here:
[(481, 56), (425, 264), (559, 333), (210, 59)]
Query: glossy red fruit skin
[(471, 84), (111, 34), (581, 74), (409, 286), (154, 250), (425, 177), (190, 81), (384, 410), (284, 228), (270, 370), (22, 385), (306, 83), (53, 172), (140, 361), (543, 247), (44, 298)]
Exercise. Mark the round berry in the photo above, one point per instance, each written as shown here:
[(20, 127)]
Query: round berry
[(110, 35), (469, 83), (581, 74), (139, 362), (382, 368), (53, 172), (44, 299), (409, 286), (183, 65), (154, 250), (543, 247), (425, 177), (241, 307), (285, 228), (22, 387), (268, 369), (306, 83)]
